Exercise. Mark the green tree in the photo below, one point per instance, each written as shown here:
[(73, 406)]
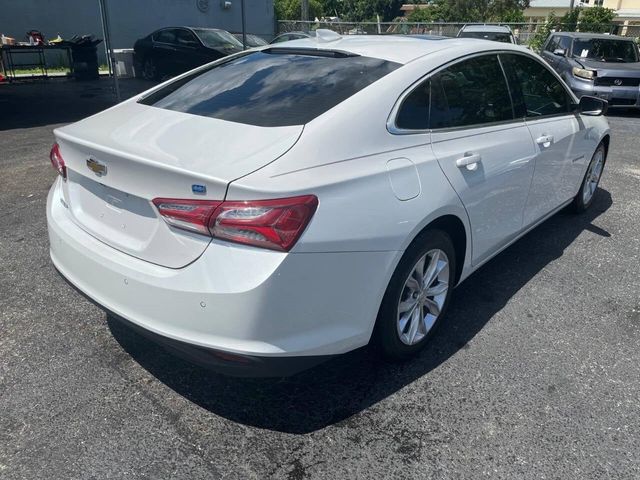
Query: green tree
[(543, 32), (479, 10), (422, 15), (569, 21), (366, 10), (511, 16), (292, 9), (596, 19)]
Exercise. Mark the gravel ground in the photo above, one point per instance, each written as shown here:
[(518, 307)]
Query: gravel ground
[(536, 374)]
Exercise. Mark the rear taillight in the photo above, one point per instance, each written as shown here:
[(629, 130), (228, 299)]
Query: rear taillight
[(192, 215), (274, 224), (57, 162)]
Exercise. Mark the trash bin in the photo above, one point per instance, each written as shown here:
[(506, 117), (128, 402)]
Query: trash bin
[(84, 53), (125, 66)]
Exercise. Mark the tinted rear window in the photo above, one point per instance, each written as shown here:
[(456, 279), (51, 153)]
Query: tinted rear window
[(495, 36), (271, 89)]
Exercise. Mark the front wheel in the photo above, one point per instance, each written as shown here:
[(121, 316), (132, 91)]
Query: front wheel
[(417, 296), (591, 180)]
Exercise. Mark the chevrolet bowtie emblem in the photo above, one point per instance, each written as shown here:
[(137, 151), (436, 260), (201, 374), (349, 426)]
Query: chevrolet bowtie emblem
[(97, 167)]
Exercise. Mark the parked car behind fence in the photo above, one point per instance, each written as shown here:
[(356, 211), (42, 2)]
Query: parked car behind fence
[(175, 50), (606, 66)]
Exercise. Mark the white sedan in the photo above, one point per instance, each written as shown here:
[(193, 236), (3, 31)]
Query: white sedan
[(286, 204)]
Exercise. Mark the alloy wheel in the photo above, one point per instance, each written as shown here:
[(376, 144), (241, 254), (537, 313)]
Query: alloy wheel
[(423, 296), (593, 177)]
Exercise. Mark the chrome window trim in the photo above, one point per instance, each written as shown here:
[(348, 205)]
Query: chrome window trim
[(393, 129)]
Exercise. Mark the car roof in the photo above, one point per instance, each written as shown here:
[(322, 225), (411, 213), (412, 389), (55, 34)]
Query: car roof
[(395, 48), (590, 35), (189, 28), (486, 28), (298, 32)]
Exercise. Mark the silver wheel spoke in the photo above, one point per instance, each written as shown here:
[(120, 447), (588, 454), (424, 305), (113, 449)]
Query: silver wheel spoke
[(412, 284), (432, 270), (418, 270), (438, 289), (433, 306), (415, 323), (405, 319), (407, 305)]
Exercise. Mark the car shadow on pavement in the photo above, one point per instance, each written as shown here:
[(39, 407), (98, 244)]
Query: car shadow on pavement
[(334, 391)]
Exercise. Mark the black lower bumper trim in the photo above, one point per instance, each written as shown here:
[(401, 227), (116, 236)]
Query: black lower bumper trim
[(227, 363)]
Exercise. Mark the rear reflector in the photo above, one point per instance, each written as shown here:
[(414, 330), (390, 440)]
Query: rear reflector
[(274, 224), (57, 162)]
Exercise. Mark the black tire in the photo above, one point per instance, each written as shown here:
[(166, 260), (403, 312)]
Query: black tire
[(150, 69), (579, 204), (387, 335)]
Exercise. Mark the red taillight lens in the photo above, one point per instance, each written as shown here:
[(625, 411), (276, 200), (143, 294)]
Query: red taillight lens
[(192, 215), (57, 162), (275, 224)]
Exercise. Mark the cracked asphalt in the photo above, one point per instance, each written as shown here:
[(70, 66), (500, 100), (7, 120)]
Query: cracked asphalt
[(535, 375)]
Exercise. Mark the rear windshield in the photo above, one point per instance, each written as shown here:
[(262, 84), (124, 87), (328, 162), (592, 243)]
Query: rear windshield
[(605, 50), (271, 89), (495, 36)]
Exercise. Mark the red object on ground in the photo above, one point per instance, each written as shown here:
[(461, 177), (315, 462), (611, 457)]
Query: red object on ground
[(1, 78)]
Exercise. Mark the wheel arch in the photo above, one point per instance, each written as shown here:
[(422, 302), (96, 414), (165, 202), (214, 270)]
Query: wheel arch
[(455, 226)]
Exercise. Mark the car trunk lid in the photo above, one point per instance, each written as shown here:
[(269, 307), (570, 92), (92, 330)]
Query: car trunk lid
[(119, 160)]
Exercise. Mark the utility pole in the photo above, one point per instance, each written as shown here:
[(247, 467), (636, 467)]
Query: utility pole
[(244, 26), (106, 31), (305, 14)]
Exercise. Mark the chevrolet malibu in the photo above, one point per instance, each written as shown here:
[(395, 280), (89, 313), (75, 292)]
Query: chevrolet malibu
[(284, 205)]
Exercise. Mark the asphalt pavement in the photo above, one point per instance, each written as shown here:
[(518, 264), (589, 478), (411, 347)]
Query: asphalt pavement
[(535, 375)]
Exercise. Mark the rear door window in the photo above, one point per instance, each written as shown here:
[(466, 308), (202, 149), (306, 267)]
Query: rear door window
[(471, 92), (271, 88)]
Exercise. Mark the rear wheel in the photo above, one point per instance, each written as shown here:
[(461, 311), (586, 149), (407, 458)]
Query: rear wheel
[(149, 69), (417, 296), (591, 180)]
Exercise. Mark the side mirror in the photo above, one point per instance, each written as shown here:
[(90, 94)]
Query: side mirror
[(592, 106), (561, 52)]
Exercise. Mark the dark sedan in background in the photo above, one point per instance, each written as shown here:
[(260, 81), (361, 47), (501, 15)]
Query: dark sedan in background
[(174, 50), (606, 66)]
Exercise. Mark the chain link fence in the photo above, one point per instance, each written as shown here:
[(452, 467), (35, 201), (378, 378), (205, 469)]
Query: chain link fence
[(524, 32)]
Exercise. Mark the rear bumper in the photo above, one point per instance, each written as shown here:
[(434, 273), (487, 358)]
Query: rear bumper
[(236, 365), (233, 300)]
